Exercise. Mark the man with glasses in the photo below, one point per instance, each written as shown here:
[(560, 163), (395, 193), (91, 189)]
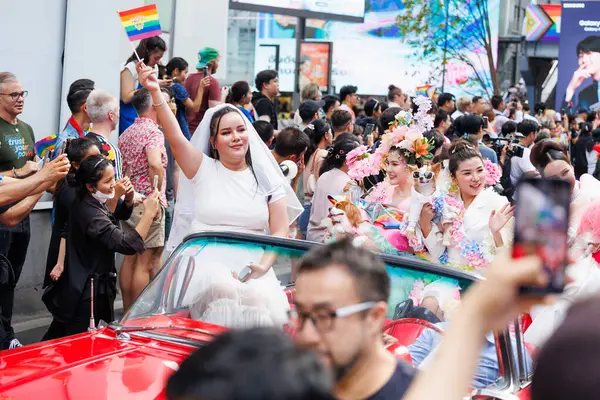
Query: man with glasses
[(16, 160), (340, 308)]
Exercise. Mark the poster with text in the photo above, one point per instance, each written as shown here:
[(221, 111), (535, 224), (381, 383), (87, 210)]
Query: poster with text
[(315, 64), (579, 57)]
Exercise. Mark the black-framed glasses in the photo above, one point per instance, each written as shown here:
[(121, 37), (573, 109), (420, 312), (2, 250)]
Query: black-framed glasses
[(323, 320), (16, 95)]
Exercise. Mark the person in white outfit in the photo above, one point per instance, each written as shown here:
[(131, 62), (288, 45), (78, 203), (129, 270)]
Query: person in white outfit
[(486, 221), (230, 182)]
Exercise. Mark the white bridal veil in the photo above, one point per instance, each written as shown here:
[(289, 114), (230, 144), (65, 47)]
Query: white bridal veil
[(265, 168)]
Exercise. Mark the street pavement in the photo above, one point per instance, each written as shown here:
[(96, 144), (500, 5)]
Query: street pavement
[(33, 329)]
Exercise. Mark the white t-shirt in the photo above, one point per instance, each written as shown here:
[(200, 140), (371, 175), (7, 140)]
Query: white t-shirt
[(130, 66), (520, 166), (331, 183), (229, 200)]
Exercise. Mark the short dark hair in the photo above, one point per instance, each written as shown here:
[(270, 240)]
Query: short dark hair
[(78, 94), (372, 279), (496, 101), (476, 99), (232, 367), (330, 101), (346, 91), (264, 77), (340, 119), (265, 130), (141, 101), (387, 117), (444, 98), (588, 45), (509, 127), (440, 116), (526, 108), (527, 127), (291, 141), (471, 124)]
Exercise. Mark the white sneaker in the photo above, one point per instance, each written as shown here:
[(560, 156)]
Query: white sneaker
[(14, 344)]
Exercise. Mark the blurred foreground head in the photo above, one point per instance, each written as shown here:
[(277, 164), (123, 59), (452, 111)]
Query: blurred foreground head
[(567, 366), (254, 364)]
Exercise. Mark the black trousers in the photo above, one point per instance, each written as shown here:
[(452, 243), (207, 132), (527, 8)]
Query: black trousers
[(103, 310), (13, 244)]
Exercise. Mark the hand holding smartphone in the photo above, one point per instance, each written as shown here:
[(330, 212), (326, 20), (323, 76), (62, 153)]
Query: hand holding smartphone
[(541, 228)]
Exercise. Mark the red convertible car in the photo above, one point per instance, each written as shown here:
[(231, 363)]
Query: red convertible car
[(133, 358)]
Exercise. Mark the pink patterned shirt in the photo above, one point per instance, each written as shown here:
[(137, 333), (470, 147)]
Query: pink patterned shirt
[(144, 134)]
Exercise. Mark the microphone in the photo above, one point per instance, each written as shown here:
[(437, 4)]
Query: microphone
[(289, 169)]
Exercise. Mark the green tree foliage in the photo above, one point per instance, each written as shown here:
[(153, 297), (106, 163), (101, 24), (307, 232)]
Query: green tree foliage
[(452, 30)]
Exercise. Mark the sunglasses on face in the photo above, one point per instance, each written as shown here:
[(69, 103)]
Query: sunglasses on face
[(426, 175)]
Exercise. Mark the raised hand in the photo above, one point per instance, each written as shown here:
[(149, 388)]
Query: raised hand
[(498, 219), (147, 77), (56, 169)]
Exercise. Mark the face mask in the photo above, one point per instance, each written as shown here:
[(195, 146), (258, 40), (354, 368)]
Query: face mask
[(103, 197)]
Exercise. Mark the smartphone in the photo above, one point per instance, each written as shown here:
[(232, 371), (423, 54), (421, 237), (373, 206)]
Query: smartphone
[(486, 123), (205, 72), (541, 227), (368, 130), (244, 274)]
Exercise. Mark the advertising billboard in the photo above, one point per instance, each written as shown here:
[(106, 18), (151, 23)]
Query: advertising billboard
[(374, 54), (315, 64), (345, 10), (579, 57)]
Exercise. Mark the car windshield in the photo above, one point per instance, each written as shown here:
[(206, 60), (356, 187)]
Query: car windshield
[(186, 285), (195, 296)]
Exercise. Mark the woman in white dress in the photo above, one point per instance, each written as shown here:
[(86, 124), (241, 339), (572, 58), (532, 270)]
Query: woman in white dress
[(482, 227), (229, 182)]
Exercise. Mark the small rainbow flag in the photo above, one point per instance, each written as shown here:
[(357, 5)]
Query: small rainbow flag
[(45, 145), (141, 23), (422, 90)]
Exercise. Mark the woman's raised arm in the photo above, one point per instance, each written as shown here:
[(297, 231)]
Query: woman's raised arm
[(188, 158)]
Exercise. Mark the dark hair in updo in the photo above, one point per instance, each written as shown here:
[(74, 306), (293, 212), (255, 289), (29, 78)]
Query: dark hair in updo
[(336, 155), (460, 151), (546, 151), (90, 172)]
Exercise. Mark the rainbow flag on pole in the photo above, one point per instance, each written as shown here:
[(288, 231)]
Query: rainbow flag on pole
[(141, 23), (423, 90), (45, 146)]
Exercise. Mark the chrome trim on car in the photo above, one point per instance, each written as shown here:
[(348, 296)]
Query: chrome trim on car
[(486, 394)]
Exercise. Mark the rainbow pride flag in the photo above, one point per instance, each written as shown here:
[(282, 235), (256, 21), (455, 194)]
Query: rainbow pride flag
[(141, 23), (45, 146), (423, 90)]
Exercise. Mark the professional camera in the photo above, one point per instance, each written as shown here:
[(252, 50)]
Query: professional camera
[(515, 150)]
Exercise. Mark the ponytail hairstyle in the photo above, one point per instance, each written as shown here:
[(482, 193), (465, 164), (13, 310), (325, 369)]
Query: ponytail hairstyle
[(90, 172), (76, 151), (545, 151), (146, 47), (237, 92), (316, 131), (336, 155), (460, 151), (176, 63)]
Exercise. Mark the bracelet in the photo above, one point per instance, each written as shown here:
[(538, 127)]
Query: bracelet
[(159, 104), (15, 173)]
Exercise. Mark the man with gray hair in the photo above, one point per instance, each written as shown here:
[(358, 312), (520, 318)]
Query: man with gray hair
[(144, 160), (463, 107), (103, 111), (17, 156)]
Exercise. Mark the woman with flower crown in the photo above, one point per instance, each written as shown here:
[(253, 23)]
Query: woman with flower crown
[(482, 220)]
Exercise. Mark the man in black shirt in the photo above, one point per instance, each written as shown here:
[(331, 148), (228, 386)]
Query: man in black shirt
[(267, 82), (341, 303)]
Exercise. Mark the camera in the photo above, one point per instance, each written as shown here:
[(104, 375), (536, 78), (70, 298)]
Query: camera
[(515, 150)]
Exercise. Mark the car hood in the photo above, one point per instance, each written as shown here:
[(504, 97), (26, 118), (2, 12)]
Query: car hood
[(90, 366)]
